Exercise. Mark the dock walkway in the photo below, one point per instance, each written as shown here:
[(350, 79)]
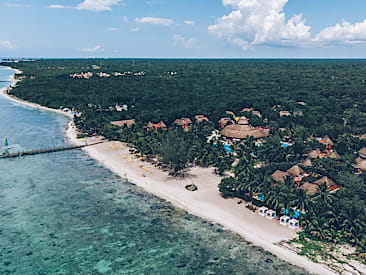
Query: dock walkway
[(44, 151)]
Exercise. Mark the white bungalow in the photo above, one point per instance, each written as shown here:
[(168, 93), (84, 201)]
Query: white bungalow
[(284, 220), (263, 211), (293, 224)]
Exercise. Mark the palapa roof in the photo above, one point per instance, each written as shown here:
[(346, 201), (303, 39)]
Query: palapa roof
[(121, 123), (285, 113), (279, 175), (155, 126), (243, 131), (362, 151), (247, 110), (230, 113), (325, 179), (295, 171), (183, 121), (243, 120), (307, 163), (315, 153), (327, 140), (225, 120), (254, 112), (361, 163), (334, 155), (201, 118), (309, 188)]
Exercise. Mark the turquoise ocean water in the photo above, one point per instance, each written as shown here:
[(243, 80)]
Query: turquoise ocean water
[(63, 213)]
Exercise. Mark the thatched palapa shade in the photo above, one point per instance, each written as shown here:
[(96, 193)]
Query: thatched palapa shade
[(121, 123)]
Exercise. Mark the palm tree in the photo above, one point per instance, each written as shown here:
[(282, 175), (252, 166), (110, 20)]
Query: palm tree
[(323, 195), (301, 200)]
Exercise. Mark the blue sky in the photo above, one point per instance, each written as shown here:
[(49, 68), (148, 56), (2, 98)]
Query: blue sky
[(183, 28)]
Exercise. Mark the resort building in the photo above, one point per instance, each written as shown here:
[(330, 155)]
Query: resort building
[(184, 122), (312, 188), (279, 176), (256, 113), (155, 126), (122, 123), (285, 113), (360, 165), (200, 118), (224, 121)]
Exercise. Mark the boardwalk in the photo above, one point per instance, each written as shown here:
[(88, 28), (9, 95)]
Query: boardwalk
[(44, 151)]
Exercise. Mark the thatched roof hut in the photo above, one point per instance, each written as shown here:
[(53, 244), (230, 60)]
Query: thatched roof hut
[(230, 113), (333, 155), (243, 120), (325, 179), (307, 163), (279, 176), (243, 131), (121, 123), (254, 112), (295, 171), (155, 126), (328, 141), (183, 121), (285, 113), (309, 188), (362, 153), (225, 120), (315, 153), (361, 164), (201, 118)]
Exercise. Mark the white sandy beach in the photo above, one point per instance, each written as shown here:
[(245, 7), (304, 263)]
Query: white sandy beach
[(206, 202)]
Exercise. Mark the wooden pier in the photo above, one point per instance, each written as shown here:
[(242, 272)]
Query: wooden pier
[(45, 151)]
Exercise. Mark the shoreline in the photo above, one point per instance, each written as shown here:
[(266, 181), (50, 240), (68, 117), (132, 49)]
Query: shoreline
[(206, 202)]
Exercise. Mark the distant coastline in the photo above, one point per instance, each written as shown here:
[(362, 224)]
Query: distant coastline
[(206, 202)]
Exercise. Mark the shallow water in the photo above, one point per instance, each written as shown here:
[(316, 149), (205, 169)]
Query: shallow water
[(63, 213)]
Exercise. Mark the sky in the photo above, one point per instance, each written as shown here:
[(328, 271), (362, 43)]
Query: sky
[(183, 28)]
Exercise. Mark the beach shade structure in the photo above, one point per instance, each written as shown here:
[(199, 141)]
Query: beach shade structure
[(293, 224), (263, 211), (271, 214), (284, 220)]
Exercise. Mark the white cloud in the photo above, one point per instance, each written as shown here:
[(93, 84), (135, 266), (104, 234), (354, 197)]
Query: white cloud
[(186, 43), (94, 49), (97, 5), (56, 7), (6, 44), (256, 22), (155, 21), (262, 22), (18, 5), (188, 22), (112, 29), (344, 33)]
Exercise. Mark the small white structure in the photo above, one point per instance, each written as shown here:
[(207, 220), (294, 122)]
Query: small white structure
[(263, 211), (271, 214), (284, 220), (293, 224)]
